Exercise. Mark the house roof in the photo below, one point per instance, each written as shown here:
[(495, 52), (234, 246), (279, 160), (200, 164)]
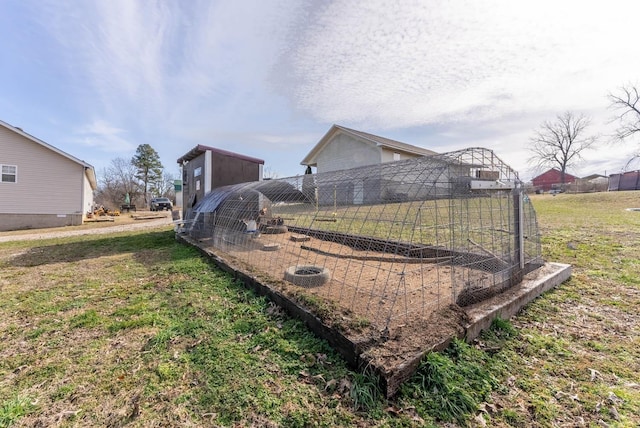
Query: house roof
[(200, 149), (594, 176), (310, 159), (88, 168)]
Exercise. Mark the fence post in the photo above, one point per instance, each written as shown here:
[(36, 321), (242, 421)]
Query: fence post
[(518, 223)]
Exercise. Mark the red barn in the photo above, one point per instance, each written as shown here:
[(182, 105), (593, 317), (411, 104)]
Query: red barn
[(551, 180)]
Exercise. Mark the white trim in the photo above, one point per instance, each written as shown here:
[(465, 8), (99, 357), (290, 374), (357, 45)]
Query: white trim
[(208, 165), (492, 185), (15, 174)]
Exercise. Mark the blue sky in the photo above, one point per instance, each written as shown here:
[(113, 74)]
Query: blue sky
[(268, 78)]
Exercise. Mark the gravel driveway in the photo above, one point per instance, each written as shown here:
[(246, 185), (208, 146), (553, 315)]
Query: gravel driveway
[(43, 234)]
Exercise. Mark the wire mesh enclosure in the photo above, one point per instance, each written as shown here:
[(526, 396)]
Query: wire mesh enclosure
[(387, 243)]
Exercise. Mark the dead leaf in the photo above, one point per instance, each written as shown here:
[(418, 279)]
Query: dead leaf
[(614, 413), (308, 359), (344, 385), (479, 419), (393, 410), (614, 399)]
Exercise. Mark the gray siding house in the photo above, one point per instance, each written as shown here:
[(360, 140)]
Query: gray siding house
[(344, 148), (41, 186)]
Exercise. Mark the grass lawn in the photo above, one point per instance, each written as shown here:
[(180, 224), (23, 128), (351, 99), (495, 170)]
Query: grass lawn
[(135, 329)]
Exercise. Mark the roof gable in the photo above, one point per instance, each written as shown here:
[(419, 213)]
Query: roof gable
[(200, 149), (88, 168), (365, 137)]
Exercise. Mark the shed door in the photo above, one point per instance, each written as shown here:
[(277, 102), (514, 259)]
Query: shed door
[(358, 192)]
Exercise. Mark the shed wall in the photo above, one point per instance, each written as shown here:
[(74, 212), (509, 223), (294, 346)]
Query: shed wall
[(224, 170), (190, 183), (231, 170), (627, 181)]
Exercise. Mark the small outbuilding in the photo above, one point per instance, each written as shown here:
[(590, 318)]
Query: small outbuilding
[(41, 186), (205, 168), (590, 183), (552, 179)]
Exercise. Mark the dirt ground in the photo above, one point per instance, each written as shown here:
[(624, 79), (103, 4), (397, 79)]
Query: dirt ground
[(401, 307), (119, 224), (389, 291)]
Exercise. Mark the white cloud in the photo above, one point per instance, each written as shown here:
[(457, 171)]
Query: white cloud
[(103, 136), (268, 79), (397, 64)]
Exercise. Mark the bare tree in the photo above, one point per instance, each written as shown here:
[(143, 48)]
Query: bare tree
[(164, 186), (626, 104), (559, 144), (269, 174), (115, 181)]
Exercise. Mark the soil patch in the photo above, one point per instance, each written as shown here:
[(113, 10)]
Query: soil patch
[(376, 309)]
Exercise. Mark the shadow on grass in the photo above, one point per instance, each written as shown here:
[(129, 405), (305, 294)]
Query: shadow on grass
[(89, 247)]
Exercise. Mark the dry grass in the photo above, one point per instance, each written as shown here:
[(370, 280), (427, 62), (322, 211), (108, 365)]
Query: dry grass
[(134, 329), (121, 220), (576, 361)]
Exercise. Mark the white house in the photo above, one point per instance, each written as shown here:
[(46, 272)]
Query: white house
[(41, 186), (344, 148)]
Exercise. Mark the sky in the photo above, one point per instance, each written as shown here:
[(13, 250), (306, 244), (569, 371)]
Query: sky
[(268, 78)]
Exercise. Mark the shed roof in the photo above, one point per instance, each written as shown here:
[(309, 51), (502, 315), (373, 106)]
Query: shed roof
[(310, 159), (88, 168), (200, 149)]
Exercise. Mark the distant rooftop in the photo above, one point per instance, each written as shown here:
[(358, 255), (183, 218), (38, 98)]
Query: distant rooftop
[(200, 149)]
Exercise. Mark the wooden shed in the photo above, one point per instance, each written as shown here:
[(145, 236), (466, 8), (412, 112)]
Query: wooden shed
[(205, 168)]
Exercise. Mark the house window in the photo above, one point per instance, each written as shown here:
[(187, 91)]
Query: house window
[(9, 174), (396, 156), (197, 172)]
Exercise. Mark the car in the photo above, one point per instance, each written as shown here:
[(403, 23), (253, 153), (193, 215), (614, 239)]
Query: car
[(160, 204), (555, 191)]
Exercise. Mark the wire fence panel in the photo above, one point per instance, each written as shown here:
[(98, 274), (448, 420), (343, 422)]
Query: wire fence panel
[(381, 244)]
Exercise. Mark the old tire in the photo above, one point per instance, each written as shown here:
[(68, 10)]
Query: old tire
[(307, 275)]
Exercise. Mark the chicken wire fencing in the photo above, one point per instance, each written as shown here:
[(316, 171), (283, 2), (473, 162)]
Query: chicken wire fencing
[(385, 243)]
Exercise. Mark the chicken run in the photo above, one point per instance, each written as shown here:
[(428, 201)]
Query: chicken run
[(385, 257)]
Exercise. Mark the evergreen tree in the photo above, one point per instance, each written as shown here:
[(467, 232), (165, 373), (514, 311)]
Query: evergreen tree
[(148, 166)]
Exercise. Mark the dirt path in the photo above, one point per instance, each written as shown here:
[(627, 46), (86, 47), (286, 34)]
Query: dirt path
[(46, 234)]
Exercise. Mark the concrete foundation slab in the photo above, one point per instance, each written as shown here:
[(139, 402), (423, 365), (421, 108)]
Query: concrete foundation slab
[(392, 362), (510, 302)]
